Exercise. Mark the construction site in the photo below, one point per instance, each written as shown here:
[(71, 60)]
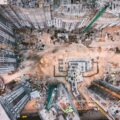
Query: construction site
[(60, 59)]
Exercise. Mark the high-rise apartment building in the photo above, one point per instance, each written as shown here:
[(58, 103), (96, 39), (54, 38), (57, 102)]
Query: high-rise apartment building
[(7, 43), (11, 104)]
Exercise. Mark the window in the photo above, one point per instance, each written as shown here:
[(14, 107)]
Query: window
[(19, 98)]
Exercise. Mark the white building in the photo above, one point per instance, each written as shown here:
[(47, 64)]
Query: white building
[(76, 68)]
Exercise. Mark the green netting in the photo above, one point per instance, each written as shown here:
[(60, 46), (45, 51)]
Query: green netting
[(99, 14), (51, 88)]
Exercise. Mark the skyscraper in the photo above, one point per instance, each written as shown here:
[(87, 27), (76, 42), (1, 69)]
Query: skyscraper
[(12, 104), (7, 44)]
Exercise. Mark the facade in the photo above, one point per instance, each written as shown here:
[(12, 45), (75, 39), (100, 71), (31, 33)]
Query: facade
[(114, 6), (12, 103), (69, 14), (24, 3), (7, 43), (7, 60), (31, 18)]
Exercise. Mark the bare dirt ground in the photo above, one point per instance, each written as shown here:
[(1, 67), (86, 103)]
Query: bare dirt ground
[(100, 52)]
